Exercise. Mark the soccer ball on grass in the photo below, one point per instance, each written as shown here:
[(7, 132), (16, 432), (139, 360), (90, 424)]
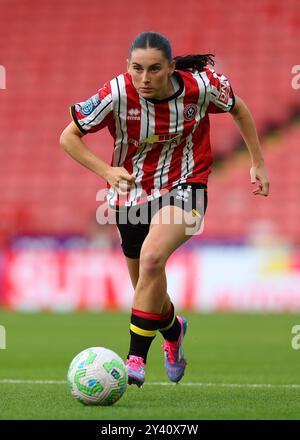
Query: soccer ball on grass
[(97, 376)]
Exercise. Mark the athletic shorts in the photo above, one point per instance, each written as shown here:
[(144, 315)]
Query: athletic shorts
[(134, 222)]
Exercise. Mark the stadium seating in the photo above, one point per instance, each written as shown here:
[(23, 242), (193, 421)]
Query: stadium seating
[(235, 213), (56, 53)]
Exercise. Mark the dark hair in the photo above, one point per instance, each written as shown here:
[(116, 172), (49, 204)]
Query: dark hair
[(194, 62), (155, 40), (152, 40)]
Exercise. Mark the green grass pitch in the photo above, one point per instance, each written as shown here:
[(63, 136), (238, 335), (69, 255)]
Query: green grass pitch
[(239, 367)]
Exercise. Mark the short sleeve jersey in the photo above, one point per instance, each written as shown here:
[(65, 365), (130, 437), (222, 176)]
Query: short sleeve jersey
[(164, 143)]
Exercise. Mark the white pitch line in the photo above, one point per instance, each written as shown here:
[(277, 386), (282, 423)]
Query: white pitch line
[(228, 385), (187, 384), (38, 382)]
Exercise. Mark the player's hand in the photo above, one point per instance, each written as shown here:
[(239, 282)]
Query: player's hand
[(120, 179), (260, 173)]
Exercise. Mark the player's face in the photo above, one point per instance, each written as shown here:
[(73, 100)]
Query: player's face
[(151, 72)]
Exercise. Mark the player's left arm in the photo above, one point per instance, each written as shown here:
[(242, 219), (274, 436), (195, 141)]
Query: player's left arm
[(244, 120)]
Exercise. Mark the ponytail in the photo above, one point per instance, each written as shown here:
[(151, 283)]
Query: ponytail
[(194, 62)]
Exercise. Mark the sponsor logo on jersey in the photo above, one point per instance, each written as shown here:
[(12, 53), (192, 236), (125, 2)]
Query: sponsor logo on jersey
[(161, 138), (224, 93), (133, 114), (189, 112), (96, 100), (89, 106)]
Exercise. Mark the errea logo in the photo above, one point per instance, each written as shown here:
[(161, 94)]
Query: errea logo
[(134, 114)]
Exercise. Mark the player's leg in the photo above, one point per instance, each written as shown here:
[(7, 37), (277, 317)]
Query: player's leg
[(132, 238), (133, 269), (150, 293), (192, 198), (163, 239), (135, 368), (133, 265)]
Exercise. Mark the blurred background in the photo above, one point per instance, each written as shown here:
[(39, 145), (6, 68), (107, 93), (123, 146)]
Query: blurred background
[(53, 254)]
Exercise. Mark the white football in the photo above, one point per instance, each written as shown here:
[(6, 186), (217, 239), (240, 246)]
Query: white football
[(97, 376)]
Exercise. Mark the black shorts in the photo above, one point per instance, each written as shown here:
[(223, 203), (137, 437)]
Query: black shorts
[(134, 222)]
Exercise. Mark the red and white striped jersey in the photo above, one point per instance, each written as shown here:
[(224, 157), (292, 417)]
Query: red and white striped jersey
[(162, 142)]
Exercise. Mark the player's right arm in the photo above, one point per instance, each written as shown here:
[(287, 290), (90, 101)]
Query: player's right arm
[(72, 142)]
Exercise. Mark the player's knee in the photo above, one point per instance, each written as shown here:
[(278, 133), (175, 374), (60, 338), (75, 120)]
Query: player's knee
[(151, 262)]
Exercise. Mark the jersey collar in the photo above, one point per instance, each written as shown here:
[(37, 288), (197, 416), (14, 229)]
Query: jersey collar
[(179, 91)]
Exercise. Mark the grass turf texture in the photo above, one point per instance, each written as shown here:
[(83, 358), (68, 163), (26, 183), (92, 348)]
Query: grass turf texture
[(220, 349)]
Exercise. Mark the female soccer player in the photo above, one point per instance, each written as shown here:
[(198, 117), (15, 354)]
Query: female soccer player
[(158, 116)]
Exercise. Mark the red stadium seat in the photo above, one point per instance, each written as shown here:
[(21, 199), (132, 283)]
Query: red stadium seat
[(55, 58)]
